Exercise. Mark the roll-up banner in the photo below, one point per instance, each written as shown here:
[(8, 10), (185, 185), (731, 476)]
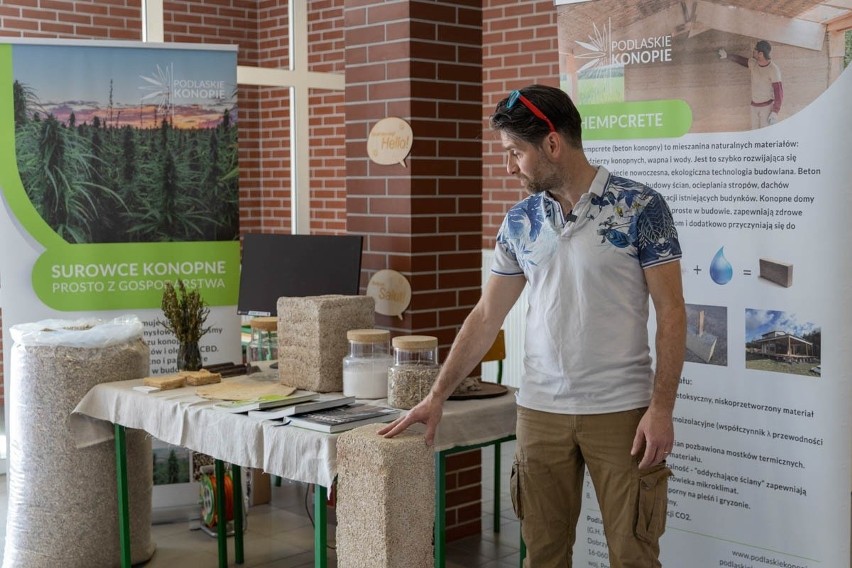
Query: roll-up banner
[(738, 113), (118, 174)]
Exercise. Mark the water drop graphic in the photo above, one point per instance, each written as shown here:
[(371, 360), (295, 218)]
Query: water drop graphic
[(721, 270)]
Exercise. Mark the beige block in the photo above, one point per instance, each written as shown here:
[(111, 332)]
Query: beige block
[(312, 338), (385, 500), (165, 382), (201, 377)]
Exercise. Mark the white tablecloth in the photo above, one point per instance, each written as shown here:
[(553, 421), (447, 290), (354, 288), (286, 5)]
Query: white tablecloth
[(182, 418)]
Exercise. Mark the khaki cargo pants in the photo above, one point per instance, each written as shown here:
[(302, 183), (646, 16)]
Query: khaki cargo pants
[(547, 487)]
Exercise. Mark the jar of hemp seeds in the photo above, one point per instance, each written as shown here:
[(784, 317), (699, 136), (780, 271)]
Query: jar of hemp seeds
[(414, 370)]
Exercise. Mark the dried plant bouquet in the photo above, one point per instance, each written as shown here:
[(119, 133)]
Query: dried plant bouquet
[(185, 312)]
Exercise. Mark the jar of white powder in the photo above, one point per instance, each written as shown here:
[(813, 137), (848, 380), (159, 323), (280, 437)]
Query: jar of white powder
[(365, 369)]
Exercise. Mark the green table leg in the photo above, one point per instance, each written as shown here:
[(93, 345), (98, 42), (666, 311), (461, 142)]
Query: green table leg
[(236, 473), (320, 526), (123, 500), (441, 490), (497, 487), (221, 519), (440, 509)]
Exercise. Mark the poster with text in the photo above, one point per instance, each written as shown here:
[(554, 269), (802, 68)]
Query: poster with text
[(118, 174), (737, 112)]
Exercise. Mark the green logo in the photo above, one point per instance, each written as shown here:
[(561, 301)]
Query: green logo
[(638, 119), (132, 275)]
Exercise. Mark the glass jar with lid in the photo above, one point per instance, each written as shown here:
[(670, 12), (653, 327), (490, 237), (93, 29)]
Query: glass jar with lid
[(365, 369), (415, 368), (263, 345)]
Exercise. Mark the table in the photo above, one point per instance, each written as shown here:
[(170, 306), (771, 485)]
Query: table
[(182, 418)]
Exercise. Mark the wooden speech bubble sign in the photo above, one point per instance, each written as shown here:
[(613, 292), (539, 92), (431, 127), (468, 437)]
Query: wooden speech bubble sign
[(390, 141), (391, 291)]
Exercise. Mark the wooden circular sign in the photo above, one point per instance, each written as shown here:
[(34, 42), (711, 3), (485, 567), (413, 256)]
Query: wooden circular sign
[(391, 291), (390, 141)]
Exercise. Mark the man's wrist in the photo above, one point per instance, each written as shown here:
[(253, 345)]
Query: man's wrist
[(436, 395), (660, 406)]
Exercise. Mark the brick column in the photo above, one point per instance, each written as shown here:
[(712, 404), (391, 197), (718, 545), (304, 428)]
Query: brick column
[(422, 62)]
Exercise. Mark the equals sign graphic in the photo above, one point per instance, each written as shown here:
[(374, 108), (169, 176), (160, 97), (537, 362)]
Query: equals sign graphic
[(746, 272)]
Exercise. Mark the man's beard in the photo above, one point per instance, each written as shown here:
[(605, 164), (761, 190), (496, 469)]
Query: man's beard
[(540, 184), (534, 187)]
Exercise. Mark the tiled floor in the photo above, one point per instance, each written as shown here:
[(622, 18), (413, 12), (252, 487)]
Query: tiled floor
[(280, 534)]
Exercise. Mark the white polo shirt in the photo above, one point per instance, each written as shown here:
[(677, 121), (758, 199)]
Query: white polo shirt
[(586, 349), (762, 79)]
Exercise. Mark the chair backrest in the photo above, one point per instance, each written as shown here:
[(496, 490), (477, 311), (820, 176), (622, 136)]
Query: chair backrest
[(497, 352)]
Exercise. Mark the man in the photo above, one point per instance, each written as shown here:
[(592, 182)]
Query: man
[(591, 246), (767, 93)]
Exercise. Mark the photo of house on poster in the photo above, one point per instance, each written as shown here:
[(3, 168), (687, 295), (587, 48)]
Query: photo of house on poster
[(781, 342), (762, 454), (119, 174)]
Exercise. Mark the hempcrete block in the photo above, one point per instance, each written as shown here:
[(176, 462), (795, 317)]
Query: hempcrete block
[(385, 500), (312, 338), (776, 271)]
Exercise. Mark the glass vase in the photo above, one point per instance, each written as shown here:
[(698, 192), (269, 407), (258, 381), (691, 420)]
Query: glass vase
[(189, 356)]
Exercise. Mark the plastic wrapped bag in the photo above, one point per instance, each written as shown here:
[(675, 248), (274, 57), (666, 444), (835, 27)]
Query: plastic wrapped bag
[(63, 504)]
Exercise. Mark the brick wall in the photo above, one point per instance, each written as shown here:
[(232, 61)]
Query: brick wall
[(326, 54), (94, 19), (273, 198), (232, 22), (519, 47), (463, 494), (423, 219), (328, 164), (422, 62)]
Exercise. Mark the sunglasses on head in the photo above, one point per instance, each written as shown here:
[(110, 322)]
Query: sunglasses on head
[(516, 96)]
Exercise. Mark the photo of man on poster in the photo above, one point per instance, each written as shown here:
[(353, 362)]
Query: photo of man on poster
[(767, 92)]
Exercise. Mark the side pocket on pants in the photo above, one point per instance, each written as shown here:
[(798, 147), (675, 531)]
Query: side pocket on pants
[(515, 490), (653, 503)]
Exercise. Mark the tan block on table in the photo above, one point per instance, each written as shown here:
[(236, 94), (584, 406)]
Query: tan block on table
[(165, 382), (385, 500), (312, 338), (202, 377)]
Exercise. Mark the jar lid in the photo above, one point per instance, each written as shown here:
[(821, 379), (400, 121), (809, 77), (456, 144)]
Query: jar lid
[(415, 342), (368, 335), (268, 323)]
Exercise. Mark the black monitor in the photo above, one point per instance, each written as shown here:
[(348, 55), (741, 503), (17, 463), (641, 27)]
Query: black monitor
[(275, 266)]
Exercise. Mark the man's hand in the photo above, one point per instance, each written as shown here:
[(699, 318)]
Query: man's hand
[(656, 434), (772, 118), (428, 412), (722, 53)]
